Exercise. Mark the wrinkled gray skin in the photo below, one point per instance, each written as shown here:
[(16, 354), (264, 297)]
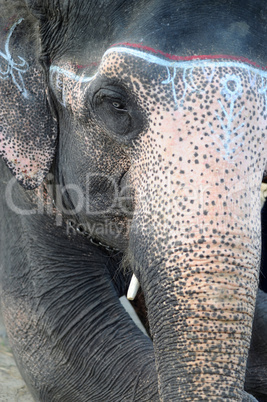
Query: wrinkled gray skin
[(114, 126)]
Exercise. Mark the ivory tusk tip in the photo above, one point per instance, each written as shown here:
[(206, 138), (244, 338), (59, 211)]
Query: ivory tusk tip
[(133, 288)]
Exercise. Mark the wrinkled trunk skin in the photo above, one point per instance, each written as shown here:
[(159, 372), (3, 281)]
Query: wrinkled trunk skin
[(195, 234), (200, 308), (202, 343)]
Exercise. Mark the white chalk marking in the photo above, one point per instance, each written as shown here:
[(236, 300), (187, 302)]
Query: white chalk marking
[(21, 67)]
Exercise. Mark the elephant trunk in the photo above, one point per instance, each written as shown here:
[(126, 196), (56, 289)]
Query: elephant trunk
[(201, 301), (201, 327)]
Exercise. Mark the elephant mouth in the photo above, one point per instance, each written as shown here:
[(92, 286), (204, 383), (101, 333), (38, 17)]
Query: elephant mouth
[(81, 231)]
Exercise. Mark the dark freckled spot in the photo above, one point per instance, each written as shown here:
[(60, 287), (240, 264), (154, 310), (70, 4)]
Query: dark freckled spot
[(137, 85)]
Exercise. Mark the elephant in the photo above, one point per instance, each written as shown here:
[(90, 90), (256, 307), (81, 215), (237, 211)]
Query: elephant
[(133, 148)]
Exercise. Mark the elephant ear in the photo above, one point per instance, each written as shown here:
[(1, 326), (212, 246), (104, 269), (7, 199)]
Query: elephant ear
[(27, 128)]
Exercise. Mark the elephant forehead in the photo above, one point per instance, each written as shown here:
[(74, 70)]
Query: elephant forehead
[(222, 101), (227, 78), (207, 125)]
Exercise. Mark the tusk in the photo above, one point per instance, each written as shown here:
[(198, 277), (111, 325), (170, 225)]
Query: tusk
[(263, 193), (133, 288)]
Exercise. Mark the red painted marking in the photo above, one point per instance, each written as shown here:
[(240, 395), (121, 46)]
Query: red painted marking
[(93, 64), (189, 58), (10, 22)]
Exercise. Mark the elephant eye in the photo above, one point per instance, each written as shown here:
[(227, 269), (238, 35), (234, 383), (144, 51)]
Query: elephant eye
[(119, 105), (111, 98), (112, 110), (115, 109)]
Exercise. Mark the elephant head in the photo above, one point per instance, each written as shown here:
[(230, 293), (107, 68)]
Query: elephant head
[(155, 118)]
